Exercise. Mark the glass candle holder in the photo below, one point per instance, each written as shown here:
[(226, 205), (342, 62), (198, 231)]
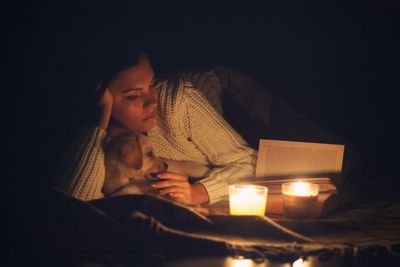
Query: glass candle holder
[(300, 199), (247, 199)]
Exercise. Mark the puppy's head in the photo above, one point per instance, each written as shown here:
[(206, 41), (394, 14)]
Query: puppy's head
[(151, 164), (129, 159)]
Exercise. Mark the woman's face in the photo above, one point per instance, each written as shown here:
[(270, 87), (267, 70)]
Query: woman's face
[(134, 97)]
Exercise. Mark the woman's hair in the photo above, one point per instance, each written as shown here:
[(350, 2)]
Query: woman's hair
[(104, 53), (109, 51)]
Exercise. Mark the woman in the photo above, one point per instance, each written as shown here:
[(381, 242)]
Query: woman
[(181, 124)]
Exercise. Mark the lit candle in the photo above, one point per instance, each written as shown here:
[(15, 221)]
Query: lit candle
[(247, 199), (299, 199)]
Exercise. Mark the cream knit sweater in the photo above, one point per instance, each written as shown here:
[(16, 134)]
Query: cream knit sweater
[(187, 128)]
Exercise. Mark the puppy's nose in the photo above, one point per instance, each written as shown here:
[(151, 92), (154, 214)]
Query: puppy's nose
[(165, 166), (153, 176)]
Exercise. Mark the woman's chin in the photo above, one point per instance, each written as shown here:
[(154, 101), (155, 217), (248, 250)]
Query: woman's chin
[(141, 127), (147, 125)]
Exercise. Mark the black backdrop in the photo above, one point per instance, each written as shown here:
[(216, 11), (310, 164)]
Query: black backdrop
[(335, 61)]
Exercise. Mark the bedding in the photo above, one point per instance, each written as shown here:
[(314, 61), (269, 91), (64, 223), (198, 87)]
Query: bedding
[(125, 228)]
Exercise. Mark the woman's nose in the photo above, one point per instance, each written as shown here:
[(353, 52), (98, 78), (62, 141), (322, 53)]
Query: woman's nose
[(151, 99)]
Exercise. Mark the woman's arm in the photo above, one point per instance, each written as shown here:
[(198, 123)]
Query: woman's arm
[(81, 172), (225, 149)]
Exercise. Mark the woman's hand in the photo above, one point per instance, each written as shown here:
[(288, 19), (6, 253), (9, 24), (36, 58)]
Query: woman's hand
[(104, 108), (106, 100), (178, 186)]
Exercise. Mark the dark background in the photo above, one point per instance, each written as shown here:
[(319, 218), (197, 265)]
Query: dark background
[(335, 61)]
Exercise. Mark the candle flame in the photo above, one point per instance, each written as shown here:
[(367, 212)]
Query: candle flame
[(239, 262), (302, 189), (248, 191), (298, 263)]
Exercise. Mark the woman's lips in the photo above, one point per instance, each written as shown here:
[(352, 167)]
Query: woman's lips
[(149, 117)]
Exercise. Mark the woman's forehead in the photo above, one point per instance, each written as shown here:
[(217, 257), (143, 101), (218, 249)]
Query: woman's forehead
[(136, 76)]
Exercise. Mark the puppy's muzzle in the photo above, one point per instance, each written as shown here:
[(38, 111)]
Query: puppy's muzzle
[(153, 175)]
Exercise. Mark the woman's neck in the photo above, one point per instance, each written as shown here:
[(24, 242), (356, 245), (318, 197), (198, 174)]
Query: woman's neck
[(113, 131)]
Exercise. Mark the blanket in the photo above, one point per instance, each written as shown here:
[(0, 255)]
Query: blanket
[(125, 227)]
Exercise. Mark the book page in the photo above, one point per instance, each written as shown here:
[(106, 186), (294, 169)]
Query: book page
[(279, 158)]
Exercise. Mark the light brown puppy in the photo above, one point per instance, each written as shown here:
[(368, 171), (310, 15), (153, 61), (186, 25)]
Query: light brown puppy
[(131, 165)]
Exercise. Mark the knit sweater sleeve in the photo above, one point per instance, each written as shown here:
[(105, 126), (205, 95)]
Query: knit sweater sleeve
[(81, 172), (228, 153)]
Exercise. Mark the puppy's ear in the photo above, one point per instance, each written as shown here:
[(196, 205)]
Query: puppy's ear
[(131, 153)]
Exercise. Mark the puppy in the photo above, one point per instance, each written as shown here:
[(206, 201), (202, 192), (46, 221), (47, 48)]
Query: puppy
[(131, 165)]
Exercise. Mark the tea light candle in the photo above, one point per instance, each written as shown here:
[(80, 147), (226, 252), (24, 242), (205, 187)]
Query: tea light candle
[(247, 199), (299, 199)]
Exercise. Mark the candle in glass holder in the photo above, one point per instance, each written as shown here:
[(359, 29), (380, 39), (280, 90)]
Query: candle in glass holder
[(300, 199), (247, 199)]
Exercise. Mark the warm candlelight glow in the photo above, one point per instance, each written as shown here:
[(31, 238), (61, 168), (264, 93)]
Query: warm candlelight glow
[(299, 199), (247, 199), (232, 262), (298, 263), (300, 189)]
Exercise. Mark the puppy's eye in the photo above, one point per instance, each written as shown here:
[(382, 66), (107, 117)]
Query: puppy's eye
[(150, 154)]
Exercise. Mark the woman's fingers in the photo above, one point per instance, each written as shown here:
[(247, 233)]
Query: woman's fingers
[(106, 98), (178, 195), (169, 183), (172, 176), (173, 190), (174, 185), (104, 109)]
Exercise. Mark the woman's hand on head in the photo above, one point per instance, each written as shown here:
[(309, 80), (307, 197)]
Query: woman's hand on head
[(178, 186), (104, 108), (106, 100)]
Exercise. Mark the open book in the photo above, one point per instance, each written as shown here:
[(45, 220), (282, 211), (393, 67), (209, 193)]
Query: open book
[(285, 161)]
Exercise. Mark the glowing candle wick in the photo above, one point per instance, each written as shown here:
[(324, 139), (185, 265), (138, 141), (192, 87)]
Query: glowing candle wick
[(301, 188)]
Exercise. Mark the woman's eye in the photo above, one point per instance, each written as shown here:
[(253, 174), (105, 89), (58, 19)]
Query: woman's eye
[(132, 97), (150, 154)]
